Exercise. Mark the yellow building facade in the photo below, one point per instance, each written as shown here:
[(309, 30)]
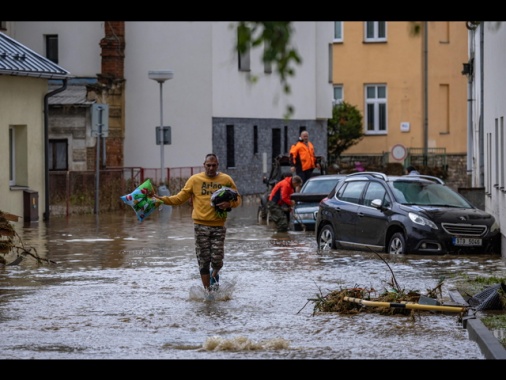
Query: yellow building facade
[(408, 85)]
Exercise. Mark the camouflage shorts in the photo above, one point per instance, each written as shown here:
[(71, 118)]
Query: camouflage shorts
[(209, 247)]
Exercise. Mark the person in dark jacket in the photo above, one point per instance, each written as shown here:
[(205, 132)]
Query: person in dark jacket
[(411, 170), (280, 203)]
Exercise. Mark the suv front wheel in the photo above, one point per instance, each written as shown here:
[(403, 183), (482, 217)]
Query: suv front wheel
[(397, 244), (326, 238)]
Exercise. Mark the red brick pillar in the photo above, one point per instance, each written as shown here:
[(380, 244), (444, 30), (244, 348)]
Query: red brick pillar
[(113, 49), (111, 89)]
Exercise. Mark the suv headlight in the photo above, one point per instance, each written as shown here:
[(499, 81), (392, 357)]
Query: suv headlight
[(415, 218), (306, 215)]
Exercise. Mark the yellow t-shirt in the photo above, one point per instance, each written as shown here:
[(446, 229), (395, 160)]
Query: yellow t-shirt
[(201, 187)]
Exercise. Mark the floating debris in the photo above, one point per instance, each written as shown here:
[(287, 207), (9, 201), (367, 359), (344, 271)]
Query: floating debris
[(11, 242), (393, 300)]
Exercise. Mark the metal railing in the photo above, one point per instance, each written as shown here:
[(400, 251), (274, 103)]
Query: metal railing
[(75, 191)]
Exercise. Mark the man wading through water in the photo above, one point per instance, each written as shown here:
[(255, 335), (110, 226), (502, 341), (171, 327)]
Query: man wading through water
[(209, 223)]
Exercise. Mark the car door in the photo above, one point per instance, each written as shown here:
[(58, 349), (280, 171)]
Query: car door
[(345, 211), (372, 223)]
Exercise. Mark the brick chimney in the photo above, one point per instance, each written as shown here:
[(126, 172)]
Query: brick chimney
[(110, 90), (113, 50)]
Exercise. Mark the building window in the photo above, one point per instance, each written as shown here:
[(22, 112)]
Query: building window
[(267, 64), (285, 141), (18, 155), (244, 57), (375, 31), (338, 31), (502, 138), (12, 157), (276, 142), (52, 47), (255, 139), (230, 147), (497, 139), (376, 109), (444, 32), (58, 154), (331, 63), (338, 94), (488, 170)]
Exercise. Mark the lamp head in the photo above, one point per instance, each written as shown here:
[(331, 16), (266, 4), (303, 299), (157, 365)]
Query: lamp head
[(160, 75)]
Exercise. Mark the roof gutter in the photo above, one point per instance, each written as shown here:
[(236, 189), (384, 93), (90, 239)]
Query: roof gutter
[(46, 145), (33, 74)]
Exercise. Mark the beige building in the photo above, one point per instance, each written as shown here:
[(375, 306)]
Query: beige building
[(408, 86), (24, 92)]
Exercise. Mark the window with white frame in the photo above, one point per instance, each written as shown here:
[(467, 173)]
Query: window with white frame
[(376, 109), (338, 94), (338, 31), (375, 31), (18, 153), (12, 157)]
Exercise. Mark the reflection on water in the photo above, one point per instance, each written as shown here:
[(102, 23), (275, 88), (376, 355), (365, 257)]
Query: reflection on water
[(128, 290)]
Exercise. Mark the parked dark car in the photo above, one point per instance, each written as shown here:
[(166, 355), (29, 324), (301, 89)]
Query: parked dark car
[(280, 168), (307, 200), (403, 214)]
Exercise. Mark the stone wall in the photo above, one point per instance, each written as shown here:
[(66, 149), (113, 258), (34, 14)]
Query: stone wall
[(454, 173)]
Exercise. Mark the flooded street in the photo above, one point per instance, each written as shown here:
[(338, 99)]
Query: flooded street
[(120, 289)]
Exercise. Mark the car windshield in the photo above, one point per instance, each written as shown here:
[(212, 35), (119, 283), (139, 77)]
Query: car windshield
[(319, 186), (427, 194)]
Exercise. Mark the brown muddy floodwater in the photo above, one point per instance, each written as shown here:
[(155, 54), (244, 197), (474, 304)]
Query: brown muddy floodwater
[(121, 289)]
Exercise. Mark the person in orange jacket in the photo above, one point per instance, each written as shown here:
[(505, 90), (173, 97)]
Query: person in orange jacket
[(302, 157), (280, 203)]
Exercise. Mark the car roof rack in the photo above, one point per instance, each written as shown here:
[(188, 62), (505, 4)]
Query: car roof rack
[(429, 177), (380, 175)]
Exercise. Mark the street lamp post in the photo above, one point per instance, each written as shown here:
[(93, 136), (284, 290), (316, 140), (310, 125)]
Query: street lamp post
[(161, 76)]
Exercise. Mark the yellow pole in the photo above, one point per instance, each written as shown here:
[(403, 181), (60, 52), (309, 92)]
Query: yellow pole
[(407, 305)]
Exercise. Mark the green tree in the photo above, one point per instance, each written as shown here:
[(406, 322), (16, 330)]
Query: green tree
[(343, 130)]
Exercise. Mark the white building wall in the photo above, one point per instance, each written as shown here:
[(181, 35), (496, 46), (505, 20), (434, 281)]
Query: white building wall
[(79, 42), (475, 150), (185, 48), (323, 69), (235, 96), (494, 106)]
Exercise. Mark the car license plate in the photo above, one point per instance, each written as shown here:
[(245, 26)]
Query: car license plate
[(466, 241)]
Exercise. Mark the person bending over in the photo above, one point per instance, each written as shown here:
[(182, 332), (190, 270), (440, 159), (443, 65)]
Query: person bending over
[(280, 204)]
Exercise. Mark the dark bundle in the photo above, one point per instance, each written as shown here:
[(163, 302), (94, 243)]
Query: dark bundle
[(224, 194)]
